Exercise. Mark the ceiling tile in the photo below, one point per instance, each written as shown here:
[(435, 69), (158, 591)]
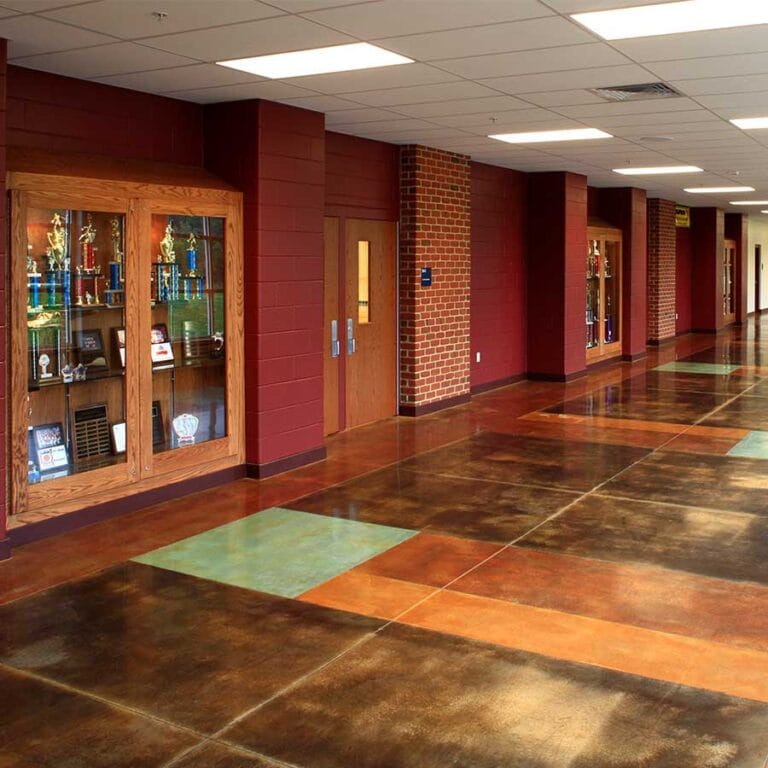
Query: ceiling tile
[(303, 6), (359, 115), (7, 12), (715, 66), (718, 42), (134, 19), (488, 106), (249, 38), (563, 98), (35, 6), (593, 77), (180, 78), (395, 124), (757, 99), (708, 85), (506, 122), (609, 109), (30, 35), (660, 122), (104, 60), (327, 104), (529, 62), (580, 6), (265, 89), (422, 93), (495, 38), (388, 18), (397, 76)]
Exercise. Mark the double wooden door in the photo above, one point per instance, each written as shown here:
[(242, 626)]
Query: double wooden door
[(360, 321)]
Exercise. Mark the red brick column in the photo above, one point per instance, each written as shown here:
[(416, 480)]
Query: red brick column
[(275, 154), (626, 208), (434, 321), (662, 243), (737, 228), (557, 275), (707, 236)]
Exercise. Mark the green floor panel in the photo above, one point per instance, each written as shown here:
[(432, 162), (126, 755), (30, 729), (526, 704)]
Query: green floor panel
[(280, 551)]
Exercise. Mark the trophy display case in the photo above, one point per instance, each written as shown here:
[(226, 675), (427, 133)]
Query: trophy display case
[(603, 299), (126, 332)]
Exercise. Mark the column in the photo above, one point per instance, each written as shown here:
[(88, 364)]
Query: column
[(434, 319), (707, 240), (662, 244)]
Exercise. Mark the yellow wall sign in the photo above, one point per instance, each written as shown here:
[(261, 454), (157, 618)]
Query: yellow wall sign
[(682, 216)]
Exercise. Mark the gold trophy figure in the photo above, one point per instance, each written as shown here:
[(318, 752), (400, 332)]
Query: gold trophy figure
[(57, 242), (167, 254), (117, 253)]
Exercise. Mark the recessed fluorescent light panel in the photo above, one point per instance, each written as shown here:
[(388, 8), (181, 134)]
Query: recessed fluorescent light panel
[(750, 123), (658, 170), (715, 190), (318, 61), (673, 18), (536, 137), (749, 202)]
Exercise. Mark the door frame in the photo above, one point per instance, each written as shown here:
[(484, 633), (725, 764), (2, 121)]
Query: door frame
[(758, 275), (340, 309)]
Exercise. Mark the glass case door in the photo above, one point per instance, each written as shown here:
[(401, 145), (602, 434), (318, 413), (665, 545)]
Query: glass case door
[(729, 259), (603, 294), (75, 276), (612, 288), (594, 256), (187, 337)]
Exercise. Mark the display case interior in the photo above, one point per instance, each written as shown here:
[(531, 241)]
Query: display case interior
[(188, 331), (603, 292), (75, 301)]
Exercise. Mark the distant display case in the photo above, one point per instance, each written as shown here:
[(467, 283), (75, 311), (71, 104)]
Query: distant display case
[(126, 336), (729, 281), (603, 304)]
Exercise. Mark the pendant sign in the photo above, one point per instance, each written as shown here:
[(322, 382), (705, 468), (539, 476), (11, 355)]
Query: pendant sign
[(426, 277)]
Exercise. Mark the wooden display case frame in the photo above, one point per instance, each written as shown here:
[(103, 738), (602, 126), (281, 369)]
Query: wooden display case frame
[(603, 350), (143, 190)]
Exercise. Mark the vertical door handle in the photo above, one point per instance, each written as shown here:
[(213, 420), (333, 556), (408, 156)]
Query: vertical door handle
[(351, 343), (335, 344)]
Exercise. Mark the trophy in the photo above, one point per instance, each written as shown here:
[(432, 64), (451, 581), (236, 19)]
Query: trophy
[(167, 253), (33, 286), (57, 245), (114, 294), (87, 237), (44, 361), (191, 254)]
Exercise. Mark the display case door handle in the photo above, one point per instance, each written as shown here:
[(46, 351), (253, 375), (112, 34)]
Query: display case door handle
[(335, 343), (351, 343)]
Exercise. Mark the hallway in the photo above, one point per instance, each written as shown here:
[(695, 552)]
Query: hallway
[(553, 575)]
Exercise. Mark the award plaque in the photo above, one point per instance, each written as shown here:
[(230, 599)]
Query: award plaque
[(185, 426)]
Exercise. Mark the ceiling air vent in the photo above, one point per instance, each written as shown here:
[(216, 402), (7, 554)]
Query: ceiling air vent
[(636, 92)]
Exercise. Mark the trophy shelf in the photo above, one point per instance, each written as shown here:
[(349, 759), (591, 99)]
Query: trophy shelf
[(126, 331)]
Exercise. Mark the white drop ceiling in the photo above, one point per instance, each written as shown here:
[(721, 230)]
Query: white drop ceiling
[(482, 66)]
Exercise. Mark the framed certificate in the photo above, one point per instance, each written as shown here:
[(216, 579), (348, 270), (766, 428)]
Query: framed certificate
[(50, 447), (118, 437)]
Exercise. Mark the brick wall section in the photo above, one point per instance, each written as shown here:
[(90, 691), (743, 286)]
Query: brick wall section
[(556, 274), (662, 243), (275, 154), (435, 232), (62, 114), (499, 208)]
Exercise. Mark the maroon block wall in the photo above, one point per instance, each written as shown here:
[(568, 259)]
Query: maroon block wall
[(64, 114), (737, 228), (362, 178), (276, 155), (707, 236), (497, 306), (4, 547), (556, 285), (683, 274), (626, 208)]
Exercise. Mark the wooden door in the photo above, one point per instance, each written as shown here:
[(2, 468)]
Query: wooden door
[(331, 316), (729, 274), (369, 339)]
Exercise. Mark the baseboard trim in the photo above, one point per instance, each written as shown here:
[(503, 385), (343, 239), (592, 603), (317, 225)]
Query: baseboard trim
[(55, 526), (557, 377), (5, 549), (709, 331), (438, 405), (662, 342), (634, 358), (489, 385), (276, 467)]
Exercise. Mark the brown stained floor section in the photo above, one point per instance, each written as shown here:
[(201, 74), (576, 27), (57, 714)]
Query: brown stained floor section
[(587, 589), (415, 698)]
